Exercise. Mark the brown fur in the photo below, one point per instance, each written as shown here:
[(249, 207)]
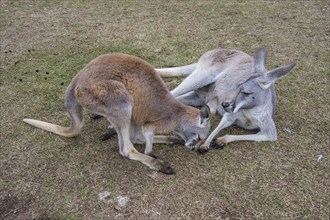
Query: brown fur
[(130, 94), (122, 77)]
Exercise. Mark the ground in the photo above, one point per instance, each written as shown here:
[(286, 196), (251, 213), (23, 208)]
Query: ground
[(44, 176)]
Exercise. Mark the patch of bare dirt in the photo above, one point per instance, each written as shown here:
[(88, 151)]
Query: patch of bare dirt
[(12, 206)]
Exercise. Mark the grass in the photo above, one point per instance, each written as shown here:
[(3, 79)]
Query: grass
[(44, 176)]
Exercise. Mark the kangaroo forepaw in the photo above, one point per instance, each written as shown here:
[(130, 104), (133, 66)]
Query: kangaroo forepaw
[(95, 116), (202, 150), (161, 166), (107, 134), (217, 144)]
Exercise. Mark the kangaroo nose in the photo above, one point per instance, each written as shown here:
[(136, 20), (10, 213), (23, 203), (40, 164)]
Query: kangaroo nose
[(225, 104)]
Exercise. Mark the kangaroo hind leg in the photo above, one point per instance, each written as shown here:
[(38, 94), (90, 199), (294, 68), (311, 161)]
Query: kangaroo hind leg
[(121, 120), (127, 149), (177, 71), (112, 100)]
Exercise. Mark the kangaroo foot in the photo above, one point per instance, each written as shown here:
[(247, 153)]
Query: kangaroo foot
[(215, 144), (167, 169), (162, 166)]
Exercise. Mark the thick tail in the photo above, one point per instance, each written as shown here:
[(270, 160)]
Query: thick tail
[(177, 71), (76, 116), (56, 129)]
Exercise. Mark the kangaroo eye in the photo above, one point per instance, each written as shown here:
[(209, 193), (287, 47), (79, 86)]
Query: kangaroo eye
[(247, 93)]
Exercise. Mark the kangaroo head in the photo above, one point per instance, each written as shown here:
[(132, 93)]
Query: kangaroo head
[(194, 132), (255, 90)]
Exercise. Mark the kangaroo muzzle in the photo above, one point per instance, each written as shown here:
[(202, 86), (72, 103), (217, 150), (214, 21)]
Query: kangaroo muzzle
[(228, 106)]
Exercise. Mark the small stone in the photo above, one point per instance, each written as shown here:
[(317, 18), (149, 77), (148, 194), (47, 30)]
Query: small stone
[(122, 201), (118, 208), (105, 197), (21, 80), (45, 78), (153, 175), (320, 158), (47, 73), (37, 71), (159, 50), (62, 83), (287, 130)]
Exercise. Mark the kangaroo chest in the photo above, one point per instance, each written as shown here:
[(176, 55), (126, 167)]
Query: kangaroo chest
[(250, 118)]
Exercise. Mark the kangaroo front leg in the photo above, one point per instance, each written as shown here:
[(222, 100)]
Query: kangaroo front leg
[(267, 133), (191, 99), (222, 141), (226, 121), (149, 136), (162, 139)]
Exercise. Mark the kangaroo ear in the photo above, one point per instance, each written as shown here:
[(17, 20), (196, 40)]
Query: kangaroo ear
[(205, 115), (259, 61), (271, 76), (213, 104)]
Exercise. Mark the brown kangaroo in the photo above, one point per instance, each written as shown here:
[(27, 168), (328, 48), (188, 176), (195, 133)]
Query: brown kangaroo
[(129, 93)]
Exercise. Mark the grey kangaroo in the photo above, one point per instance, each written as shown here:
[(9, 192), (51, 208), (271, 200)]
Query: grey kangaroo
[(129, 93), (237, 87)]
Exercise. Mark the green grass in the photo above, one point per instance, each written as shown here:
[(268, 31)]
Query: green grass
[(46, 176)]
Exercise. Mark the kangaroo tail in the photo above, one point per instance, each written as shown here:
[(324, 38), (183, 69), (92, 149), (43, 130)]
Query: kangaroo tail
[(76, 116), (56, 129), (177, 71)]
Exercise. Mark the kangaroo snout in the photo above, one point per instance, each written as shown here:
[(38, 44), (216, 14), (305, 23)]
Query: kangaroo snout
[(228, 106)]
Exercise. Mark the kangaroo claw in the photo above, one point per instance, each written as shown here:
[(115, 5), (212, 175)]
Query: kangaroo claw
[(167, 169), (202, 150), (217, 145)]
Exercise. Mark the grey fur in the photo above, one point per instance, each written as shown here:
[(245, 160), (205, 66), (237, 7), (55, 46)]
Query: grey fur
[(236, 86)]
